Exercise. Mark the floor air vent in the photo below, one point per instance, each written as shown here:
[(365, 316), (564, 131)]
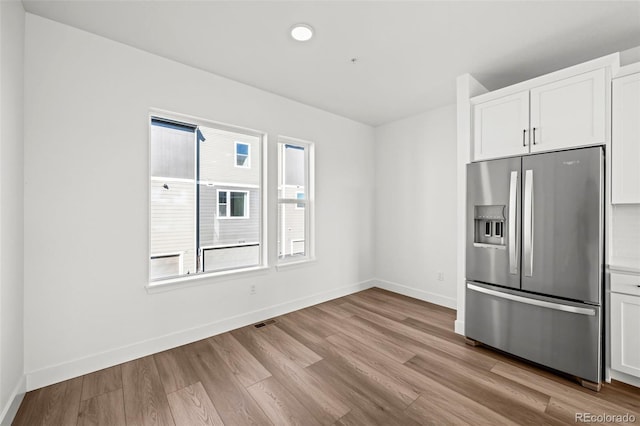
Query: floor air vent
[(262, 324)]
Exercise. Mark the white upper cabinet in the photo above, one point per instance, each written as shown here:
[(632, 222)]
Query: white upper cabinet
[(546, 114), (569, 112), (501, 127), (625, 141)]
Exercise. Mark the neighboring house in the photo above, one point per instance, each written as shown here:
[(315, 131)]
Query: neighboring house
[(291, 229), (214, 224)]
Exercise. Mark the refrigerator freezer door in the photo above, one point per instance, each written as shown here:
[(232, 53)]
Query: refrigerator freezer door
[(493, 193), (559, 334), (563, 218)]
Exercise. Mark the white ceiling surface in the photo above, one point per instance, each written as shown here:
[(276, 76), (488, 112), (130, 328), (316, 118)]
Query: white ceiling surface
[(408, 53)]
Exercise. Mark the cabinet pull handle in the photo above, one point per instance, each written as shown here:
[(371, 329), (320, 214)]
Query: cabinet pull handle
[(534, 135), (536, 302), (513, 209), (524, 137), (527, 224)]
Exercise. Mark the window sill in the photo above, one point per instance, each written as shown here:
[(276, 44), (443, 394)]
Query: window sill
[(202, 278), (295, 264)]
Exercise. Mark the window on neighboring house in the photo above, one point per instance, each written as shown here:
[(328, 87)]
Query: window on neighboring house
[(295, 200), (195, 191), (243, 154), (222, 203), (233, 204)]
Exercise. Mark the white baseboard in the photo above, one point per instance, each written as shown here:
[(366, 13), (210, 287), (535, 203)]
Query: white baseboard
[(434, 298), (57, 373), (459, 327), (10, 410)]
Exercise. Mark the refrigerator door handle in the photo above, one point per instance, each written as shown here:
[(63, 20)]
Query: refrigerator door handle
[(513, 258), (527, 231), (535, 302)]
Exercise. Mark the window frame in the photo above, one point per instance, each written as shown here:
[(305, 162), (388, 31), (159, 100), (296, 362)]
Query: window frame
[(182, 281), (308, 201), (235, 147)]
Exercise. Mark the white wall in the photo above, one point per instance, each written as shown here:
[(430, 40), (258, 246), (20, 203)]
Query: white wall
[(86, 210), (466, 88), (11, 208), (416, 208), (630, 56)]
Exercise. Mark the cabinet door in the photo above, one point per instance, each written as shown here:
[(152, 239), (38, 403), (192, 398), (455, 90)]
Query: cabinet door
[(569, 112), (625, 142), (501, 127), (625, 333)]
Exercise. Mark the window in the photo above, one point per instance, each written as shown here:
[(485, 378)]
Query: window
[(233, 204), (242, 154), (295, 200), (196, 193)]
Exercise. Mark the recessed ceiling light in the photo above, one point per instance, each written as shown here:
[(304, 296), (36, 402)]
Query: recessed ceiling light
[(302, 32)]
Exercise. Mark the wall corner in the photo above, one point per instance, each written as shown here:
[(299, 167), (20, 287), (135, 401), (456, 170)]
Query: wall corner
[(466, 88)]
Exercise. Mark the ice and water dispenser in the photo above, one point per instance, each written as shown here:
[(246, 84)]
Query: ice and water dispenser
[(489, 222)]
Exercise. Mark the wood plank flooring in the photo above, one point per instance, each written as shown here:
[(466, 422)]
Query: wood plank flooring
[(370, 358)]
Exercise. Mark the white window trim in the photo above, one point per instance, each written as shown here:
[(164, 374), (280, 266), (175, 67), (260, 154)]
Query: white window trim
[(161, 285), (203, 278), (228, 204), (235, 154), (309, 201), (293, 264)]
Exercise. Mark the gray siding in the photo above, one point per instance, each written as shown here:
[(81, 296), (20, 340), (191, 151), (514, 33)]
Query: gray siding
[(173, 220), (294, 166), (215, 231), (218, 159), (172, 152), (292, 224)]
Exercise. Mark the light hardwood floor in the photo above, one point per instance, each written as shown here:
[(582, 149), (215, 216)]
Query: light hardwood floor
[(373, 357)]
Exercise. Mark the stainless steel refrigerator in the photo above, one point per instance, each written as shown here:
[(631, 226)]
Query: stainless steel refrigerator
[(534, 263)]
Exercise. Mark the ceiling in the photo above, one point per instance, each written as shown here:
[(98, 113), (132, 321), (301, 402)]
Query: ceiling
[(408, 52)]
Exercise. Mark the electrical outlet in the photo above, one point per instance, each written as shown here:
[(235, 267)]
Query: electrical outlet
[(440, 276), (252, 289)]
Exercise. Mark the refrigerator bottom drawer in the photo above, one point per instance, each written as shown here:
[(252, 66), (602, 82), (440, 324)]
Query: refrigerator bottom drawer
[(563, 336)]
